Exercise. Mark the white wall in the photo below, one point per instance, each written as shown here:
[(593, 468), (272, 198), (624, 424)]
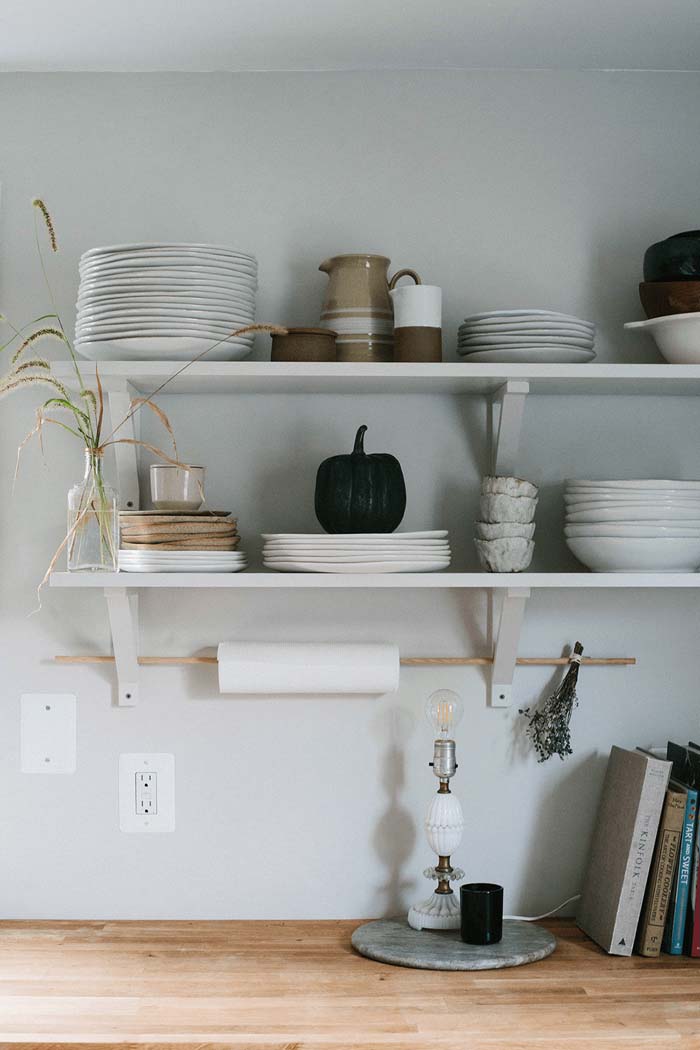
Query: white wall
[(537, 189)]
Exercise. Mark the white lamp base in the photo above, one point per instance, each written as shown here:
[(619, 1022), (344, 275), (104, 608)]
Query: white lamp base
[(439, 912)]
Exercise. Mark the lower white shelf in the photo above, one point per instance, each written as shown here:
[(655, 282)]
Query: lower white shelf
[(434, 580)]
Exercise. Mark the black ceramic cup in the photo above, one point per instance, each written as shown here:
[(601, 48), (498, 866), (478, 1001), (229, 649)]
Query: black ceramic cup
[(481, 906)]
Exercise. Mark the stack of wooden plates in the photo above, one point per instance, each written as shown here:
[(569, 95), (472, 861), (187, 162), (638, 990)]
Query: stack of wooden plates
[(179, 541)]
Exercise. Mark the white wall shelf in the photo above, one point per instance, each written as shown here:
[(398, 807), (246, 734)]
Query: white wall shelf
[(268, 377), (386, 581)]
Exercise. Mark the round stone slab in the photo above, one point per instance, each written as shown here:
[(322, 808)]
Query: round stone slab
[(394, 941)]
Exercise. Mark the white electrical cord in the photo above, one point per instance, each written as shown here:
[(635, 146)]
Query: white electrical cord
[(535, 918)]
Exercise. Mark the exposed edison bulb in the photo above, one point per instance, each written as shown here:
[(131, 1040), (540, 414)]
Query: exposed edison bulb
[(444, 710)]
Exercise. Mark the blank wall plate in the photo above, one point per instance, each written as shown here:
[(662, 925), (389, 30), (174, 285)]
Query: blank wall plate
[(47, 732), (147, 805)]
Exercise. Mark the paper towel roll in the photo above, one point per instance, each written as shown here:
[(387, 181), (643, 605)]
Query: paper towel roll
[(297, 667)]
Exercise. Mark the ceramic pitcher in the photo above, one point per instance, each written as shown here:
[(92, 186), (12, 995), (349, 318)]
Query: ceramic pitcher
[(358, 307)]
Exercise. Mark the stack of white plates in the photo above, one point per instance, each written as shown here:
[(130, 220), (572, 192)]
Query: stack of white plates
[(357, 552), (634, 526), (526, 337), (181, 561), (165, 301)]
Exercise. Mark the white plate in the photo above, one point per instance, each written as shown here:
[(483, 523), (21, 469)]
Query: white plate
[(503, 342), (647, 483), (99, 314), (667, 507), (350, 559), (532, 325), (176, 297), (437, 534), (525, 315), (628, 512), (153, 285), (605, 496), (166, 349), (184, 568), (199, 273), (158, 328), (532, 355), (158, 246), (369, 566), (623, 554), (611, 528), (163, 257), (332, 551)]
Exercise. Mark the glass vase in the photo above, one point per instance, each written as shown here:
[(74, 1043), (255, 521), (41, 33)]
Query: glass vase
[(93, 521)]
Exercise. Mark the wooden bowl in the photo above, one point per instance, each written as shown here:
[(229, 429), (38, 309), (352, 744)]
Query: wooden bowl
[(661, 298)]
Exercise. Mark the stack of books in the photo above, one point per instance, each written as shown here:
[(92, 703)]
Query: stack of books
[(642, 887)]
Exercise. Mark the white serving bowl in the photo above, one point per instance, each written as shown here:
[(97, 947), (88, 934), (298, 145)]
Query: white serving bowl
[(631, 512), (497, 508), (623, 554), (507, 486), (647, 531), (488, 531), (510, 554), (677, 336)]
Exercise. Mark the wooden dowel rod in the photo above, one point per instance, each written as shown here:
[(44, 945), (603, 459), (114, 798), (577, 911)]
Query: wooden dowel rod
[(408, 661)]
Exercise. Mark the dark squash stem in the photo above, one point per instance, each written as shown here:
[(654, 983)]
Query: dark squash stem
[(359, 449)]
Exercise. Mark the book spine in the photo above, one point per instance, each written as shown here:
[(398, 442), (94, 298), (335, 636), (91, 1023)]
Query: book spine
[(639, 861), (675, 928), (661, 878), (693, 942)]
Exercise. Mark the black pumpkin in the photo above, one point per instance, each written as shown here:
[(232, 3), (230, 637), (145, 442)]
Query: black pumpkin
[(360, 492)]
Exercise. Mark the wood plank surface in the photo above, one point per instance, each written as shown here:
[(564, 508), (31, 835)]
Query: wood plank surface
[(296, 985)]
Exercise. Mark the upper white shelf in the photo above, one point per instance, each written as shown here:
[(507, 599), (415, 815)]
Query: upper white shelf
[(434, 580), (268, 377)]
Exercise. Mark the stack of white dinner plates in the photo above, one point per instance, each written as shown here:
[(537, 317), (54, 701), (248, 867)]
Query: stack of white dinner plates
[(357, 552), (634, 526), (526, 337), (181, 561), (165, 302)]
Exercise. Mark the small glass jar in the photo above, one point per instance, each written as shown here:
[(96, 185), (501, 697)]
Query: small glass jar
[(93, 520)]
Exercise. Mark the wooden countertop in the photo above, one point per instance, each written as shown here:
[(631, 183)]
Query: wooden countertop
[(294, 985)]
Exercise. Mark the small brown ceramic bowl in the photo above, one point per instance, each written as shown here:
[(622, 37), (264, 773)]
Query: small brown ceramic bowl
[(660, 298), (304, 344)]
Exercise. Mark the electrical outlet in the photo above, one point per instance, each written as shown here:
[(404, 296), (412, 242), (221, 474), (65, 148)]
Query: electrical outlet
[(146, 792)]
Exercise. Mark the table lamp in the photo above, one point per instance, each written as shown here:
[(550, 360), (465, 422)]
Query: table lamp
[(444, 820)]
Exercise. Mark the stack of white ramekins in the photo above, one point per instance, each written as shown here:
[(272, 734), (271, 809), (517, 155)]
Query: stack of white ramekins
[(634, 526)]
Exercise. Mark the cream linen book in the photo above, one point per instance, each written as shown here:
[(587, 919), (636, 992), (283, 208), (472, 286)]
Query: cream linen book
[(621, 851)]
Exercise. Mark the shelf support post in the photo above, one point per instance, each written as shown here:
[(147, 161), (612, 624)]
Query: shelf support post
[(509, 402), (505, 650), (119, 401), (122, 608)]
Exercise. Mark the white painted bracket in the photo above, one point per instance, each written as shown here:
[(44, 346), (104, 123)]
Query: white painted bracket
[(122, 608), (505, 650), (507, 410), (119, 402)]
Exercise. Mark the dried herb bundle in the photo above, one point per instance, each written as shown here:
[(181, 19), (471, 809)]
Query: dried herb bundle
[(549, 726)]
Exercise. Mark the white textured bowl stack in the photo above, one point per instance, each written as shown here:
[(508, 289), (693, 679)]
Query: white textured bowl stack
[(526, 337), (503, 539), (634, 526), (165, 302)]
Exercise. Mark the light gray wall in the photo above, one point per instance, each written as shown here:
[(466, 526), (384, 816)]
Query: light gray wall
[(519, 189)]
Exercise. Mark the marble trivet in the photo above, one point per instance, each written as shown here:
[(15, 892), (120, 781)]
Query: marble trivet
[(393, 941)]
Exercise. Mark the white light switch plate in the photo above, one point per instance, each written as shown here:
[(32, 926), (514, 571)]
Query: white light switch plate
[(132, 815), (47, 732)]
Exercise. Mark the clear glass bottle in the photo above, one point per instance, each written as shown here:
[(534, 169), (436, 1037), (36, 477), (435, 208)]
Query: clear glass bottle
[(93, 521)]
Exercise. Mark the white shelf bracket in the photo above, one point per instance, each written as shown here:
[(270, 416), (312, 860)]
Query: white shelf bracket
[(505, 650), (507, 408), (122, 608), (119, 402)]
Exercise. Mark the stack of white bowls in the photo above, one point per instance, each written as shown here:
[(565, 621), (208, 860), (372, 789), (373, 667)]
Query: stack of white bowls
[(526, 337), (165, 302), (504, 535), (634, 526), (357, 552)]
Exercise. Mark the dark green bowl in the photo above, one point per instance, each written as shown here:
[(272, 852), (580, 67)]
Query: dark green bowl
[(675, 259)]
